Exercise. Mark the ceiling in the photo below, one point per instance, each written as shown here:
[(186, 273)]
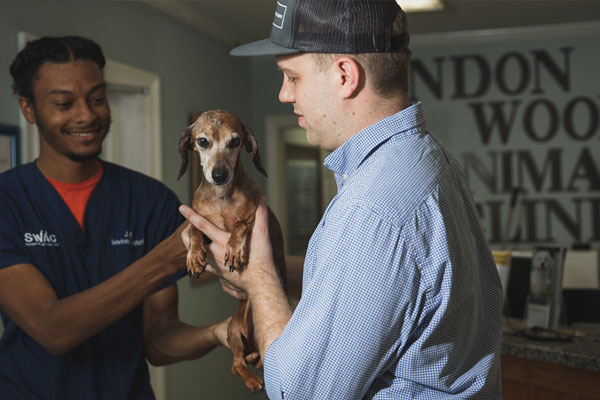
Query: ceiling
[(231, 21), (240, 21)]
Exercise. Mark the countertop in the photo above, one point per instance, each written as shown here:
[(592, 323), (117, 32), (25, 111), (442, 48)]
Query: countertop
[(576, 347)]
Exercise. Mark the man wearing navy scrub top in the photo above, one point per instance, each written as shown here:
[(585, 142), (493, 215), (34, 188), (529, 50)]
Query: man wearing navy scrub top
[(89, 251)]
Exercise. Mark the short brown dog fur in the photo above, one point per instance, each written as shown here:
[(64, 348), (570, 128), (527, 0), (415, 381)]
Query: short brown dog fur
[(228, 197)]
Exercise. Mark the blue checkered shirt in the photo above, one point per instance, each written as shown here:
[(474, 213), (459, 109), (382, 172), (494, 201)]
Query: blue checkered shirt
[(401, 298)]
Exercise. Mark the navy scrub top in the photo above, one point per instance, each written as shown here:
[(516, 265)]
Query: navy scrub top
[(127, 215)]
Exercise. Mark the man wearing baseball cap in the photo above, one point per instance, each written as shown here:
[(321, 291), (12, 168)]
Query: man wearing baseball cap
[(400, 296)]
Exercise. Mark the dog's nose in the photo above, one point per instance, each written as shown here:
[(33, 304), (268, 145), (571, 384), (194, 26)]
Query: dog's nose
[(220, 175)]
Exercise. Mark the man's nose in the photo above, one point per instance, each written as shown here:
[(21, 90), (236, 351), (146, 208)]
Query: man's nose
[(84, 113), (286, 94)]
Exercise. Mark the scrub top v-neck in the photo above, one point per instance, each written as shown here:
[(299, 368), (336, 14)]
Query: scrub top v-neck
[(126, 216)]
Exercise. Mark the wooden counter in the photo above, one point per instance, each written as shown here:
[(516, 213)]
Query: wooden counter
[(540, 370)]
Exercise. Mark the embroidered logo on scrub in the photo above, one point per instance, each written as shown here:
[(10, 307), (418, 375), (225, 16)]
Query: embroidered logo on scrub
[(43, 238), (127, 240)]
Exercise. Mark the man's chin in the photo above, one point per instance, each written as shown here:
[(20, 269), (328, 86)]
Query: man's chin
[(78, 157)]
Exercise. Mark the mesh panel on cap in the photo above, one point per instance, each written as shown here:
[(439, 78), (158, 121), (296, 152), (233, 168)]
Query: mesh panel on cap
[(345, 26)]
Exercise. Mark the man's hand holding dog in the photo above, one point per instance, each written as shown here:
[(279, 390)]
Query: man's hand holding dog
[(237, 283), (258, 280)]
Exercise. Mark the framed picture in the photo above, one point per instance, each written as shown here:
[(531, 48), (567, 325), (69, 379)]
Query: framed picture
[(9, 147)]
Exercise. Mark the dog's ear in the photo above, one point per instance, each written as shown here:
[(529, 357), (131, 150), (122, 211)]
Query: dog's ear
[(251, 146), (185, 145)]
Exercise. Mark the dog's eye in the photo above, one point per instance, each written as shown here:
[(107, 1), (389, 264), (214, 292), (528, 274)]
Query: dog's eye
[(235, 142), (202, 142)]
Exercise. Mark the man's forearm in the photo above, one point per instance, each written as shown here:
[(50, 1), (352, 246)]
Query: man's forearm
[(167, 339), (181, 342), (270, 309), (109, 301), (62, 324)]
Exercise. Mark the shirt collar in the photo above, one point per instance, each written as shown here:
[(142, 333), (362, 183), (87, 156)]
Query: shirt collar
[(348, 157)]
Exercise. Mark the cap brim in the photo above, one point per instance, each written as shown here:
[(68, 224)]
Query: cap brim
[(263, 47)]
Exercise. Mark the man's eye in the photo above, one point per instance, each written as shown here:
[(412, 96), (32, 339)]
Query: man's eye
[(98, 101), (202, 142), (235, 142), (63, 104)]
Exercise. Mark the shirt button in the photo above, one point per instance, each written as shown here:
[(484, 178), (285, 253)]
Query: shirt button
[(345, 176)]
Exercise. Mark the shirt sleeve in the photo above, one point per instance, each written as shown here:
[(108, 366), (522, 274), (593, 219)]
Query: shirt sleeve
[(391, 305), (166, 218), (354, 315), (12, 249)]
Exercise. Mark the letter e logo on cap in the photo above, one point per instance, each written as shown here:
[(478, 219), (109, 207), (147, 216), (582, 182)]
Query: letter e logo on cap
[(279, 15)]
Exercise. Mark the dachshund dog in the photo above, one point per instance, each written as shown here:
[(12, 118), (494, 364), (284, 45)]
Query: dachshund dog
[(228, 197)]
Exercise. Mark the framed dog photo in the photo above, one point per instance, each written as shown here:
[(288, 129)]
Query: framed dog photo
[(9, 147)]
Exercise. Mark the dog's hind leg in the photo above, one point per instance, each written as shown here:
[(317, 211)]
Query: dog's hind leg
[(241, 342)]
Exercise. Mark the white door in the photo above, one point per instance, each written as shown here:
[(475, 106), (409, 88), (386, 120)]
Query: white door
[(299, 188), (127, 142)]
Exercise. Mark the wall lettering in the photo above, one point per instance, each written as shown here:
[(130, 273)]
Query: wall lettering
[(529, 128)]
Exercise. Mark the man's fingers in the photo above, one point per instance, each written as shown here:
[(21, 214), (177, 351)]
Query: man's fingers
[(213, 270), (185, 236), (220, 330), (253, 357), (205, 226), (227, 287), (233, 291)]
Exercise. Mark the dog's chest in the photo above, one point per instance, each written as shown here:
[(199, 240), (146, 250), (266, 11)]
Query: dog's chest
[(223, 213)]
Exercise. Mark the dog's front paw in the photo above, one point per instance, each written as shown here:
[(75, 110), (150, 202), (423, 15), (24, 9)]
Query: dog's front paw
[(196, 263), (235, 257)]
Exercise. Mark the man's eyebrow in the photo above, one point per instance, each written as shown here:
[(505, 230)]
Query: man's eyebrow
[(60, 91), (279, 67), (92, 90), (100, 85)]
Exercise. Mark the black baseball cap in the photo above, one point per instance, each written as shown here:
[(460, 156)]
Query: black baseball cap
[(330, 26)]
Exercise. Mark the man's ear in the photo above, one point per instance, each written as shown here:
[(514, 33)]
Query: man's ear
[(27, 108), (350, 75)]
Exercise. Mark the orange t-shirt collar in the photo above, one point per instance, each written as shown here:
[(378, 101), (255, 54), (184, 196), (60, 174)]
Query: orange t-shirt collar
[(76, 195)]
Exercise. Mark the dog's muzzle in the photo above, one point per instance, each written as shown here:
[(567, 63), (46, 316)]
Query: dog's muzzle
[(220, 175)]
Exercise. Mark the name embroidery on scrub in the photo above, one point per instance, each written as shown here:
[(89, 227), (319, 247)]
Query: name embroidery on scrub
[(127, 240), (43, 238)]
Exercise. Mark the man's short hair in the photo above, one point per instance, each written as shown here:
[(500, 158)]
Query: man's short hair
[(60, 50), (386, 72)]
